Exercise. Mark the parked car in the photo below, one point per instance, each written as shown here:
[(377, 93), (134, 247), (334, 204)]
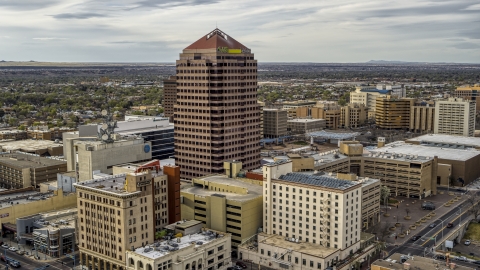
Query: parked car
[(14, 263), (476, 262), (428, 206), (462, 258), (5, 246), (449, 225), (241, 264), (2, 258), (416, 237), (432, 225), (12, 249), (440, 257), (467, 242)]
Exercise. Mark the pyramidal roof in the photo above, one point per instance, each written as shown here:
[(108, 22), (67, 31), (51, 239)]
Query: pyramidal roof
[(214, 40)]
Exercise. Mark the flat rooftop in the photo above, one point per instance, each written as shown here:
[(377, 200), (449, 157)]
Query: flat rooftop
[(114, 184), (328, 157), (160, 249), (28, 145), (447, 140), (19, 160), (327, 181), (305, 120), (428, 152), (253, 190), (22, 198), (415, 262), (303, 247)]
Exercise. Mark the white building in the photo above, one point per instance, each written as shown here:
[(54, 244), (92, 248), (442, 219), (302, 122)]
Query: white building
[(397, 89), (455, 116), (205, 249), (367, 95)]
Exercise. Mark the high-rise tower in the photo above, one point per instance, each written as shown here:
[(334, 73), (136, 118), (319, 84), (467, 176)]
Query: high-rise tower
[(216, 116)]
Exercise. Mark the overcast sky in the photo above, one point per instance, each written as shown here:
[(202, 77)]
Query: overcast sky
[(276, 30)]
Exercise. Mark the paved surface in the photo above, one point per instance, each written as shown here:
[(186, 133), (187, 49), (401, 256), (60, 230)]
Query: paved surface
[(424, 245)]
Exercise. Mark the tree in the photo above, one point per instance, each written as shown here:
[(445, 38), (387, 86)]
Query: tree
[(473, 201), (407, 210)]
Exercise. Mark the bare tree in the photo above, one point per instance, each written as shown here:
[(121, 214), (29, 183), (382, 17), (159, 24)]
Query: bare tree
[(407, 210), (384, 231)]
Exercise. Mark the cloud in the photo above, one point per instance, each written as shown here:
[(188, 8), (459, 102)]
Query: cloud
[(49, 38), (4, 36), (467, 46), (171, 4), (27, 4), (81, 15)]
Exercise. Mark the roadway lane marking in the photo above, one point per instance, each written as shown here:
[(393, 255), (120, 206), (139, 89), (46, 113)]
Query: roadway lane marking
[(438, 232)]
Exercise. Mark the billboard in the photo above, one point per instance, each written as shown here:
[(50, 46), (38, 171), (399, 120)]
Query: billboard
[(449, 244)]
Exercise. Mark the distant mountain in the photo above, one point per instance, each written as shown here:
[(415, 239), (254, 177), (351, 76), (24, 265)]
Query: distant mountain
[(388, 62)]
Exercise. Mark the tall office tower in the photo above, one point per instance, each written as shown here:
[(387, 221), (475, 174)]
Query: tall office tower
[(274, 123), (455, 116), (169, 96), (217, 117)]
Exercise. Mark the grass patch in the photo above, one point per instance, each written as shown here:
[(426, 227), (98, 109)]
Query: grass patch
[(300, 143), (392, 201), (473, 232)]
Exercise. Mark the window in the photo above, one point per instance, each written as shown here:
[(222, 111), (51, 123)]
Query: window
[(220, 248), (304, 261), (261, 251), (296, 260), (268, 253)]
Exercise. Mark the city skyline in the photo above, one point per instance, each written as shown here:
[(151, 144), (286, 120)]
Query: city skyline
[(302, 31)]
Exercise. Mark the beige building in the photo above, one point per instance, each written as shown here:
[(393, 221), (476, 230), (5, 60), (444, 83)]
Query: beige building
[(22, 170), (45, 133), (217, 116), (204, 249), (232, 205), (422, 118), (367, 95), (392, 112), (303, 126), (330, 111), (322, 210), (469, 92), (86, 155), (455, 116), (13, 135), (169, 96), (115, 214), (353, 115), (274, 123), (36, 147)]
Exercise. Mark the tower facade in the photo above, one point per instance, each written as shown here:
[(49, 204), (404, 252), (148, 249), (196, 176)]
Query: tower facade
[(216, 114)]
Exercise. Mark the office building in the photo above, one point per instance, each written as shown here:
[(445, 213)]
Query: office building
[(367, 95), (422, 117), (303, 126), (232, 205), (45, 133), (199, 249), (51, 233), (262, 106), (166, 189), (330, 111), (22, 170), (398, 90), (298, 104), (217, 116), (123, 206), (274, 123), (169, 96), (392, 112), (321, 210), (455, 116), (353, 115), (469, 92)]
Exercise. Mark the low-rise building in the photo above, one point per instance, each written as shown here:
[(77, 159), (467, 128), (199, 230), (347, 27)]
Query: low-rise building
[(51, 233), (45, 133), (232, 205), (14, 134), (303, 126), (469, 92), (203, 249), (22, 170), (422, 117), (37, 147)]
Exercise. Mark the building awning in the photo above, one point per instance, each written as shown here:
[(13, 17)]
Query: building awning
[(9, 227)]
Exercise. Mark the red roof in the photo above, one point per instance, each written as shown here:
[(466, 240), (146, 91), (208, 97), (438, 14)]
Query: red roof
[(216, 39)]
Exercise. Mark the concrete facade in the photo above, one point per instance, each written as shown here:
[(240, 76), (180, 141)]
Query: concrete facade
[(124, 205), (205, 249), (422, 118), (455, 116), (302, 126), (232, 205), (353, 115)]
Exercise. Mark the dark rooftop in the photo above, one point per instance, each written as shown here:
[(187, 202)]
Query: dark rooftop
[(322, 181), (216, 39)]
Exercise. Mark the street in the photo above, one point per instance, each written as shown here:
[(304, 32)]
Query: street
[(27, 263)]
